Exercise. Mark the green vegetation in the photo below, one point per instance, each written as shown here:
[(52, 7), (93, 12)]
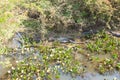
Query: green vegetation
[(45, 64), (103, 51), (104, 43), (43, 18), (57, 15)]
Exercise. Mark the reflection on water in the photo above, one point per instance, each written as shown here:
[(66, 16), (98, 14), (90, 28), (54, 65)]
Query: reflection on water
[(5, 64), (92, 76)]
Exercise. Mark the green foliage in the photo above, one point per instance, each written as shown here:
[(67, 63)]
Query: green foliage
[(3, 50), (106, 65), (118, 65), (45, 64), (32, 23), (58, 15), (103, 43)]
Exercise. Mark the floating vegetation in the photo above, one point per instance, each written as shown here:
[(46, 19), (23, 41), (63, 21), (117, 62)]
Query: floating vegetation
[(46, 61), (103, 43)]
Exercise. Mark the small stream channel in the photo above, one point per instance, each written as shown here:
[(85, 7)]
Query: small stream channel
[(8, 60)]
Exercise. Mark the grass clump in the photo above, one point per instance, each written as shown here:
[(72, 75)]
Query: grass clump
[(9, 21)]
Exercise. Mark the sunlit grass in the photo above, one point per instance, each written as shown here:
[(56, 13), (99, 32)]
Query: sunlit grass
[(9, 20)]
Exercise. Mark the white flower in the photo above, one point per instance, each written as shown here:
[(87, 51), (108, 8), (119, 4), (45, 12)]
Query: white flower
[(9, 71), (13, 68), (17, 61), (48, 70), (22, 71), (21, 75), (51, 55)]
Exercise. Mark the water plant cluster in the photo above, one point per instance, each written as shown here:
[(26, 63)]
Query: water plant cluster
[(104, 43), (108, 46), (46, 62)]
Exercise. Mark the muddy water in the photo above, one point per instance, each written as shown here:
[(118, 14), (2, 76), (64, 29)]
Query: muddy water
[(7, 61)]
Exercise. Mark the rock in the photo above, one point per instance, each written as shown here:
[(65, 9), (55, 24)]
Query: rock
[(62, 39), (116, 34)]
